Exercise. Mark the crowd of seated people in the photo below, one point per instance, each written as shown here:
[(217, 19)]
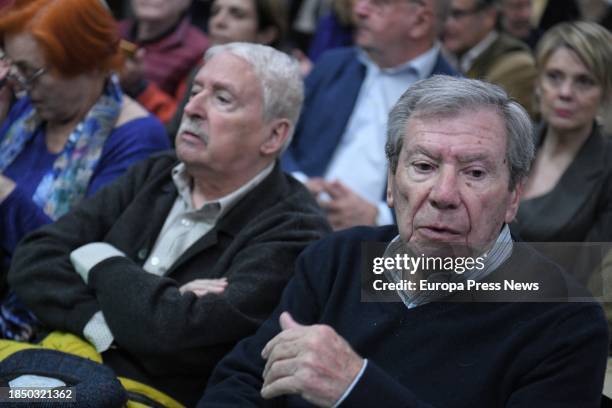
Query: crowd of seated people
[(161, 172), (162, 272)]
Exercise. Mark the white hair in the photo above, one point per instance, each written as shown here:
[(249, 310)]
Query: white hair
[(279, 75)]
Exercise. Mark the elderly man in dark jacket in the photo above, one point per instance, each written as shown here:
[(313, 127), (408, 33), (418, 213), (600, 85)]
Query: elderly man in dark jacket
[(166, 269)]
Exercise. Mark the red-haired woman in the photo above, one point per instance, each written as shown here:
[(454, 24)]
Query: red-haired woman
[(69, 130)]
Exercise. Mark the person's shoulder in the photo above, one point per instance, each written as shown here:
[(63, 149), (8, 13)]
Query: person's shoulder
[(158, 164), (598, 149), (604, 137), (555, 283), (507, 43), (286, 195), (558, 293), (527, 258), (162, 160), (511, 64), (443, 67), (196, 35), (154, 170), (130, 110), (338, 56), (165, 159), (291, 189), (351, 239), (338, 65), (368, 234), (192, 36), (135, 120), (507, 56), (341, 52)]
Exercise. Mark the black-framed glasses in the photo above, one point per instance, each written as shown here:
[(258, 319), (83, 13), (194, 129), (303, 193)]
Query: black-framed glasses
[(23, 77)]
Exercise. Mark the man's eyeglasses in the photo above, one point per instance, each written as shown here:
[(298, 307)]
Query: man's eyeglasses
[(24, 77)]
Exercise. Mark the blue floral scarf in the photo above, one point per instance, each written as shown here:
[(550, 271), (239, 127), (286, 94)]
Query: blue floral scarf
[(65, 184)]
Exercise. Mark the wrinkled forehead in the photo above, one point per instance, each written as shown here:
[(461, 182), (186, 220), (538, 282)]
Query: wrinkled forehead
[(229, 66), (233, 73), (466, 131)]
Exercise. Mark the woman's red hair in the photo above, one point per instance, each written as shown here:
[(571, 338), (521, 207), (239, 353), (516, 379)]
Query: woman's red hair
[(76, 36)]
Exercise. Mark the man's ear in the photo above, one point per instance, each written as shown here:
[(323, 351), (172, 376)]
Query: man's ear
[(515, 201), (279, 132), (390, 187)]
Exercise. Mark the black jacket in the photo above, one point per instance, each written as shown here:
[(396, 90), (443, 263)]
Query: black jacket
[(165, 339)]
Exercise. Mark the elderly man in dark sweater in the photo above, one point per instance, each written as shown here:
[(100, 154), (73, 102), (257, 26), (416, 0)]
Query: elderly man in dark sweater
[(165, 270), (459, 151)]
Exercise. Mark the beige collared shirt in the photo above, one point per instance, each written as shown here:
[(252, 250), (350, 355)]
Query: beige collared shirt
[(185, 224)]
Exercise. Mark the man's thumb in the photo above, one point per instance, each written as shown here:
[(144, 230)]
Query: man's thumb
[(287, 322)]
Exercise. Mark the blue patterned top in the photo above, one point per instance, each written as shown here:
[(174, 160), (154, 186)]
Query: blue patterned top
[(125, 145)]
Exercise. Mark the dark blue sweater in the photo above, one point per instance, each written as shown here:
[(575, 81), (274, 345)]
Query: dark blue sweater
[(444, 354)]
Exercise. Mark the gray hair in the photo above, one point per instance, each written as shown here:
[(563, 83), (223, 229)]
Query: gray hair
[(279, 75), (447, 96)]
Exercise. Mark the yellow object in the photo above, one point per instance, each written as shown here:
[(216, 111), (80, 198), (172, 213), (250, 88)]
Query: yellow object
[(149, 392), (71, 344), (8, 347)]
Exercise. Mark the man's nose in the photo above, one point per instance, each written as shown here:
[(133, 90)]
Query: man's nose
[(444, 194), (196, 105)]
